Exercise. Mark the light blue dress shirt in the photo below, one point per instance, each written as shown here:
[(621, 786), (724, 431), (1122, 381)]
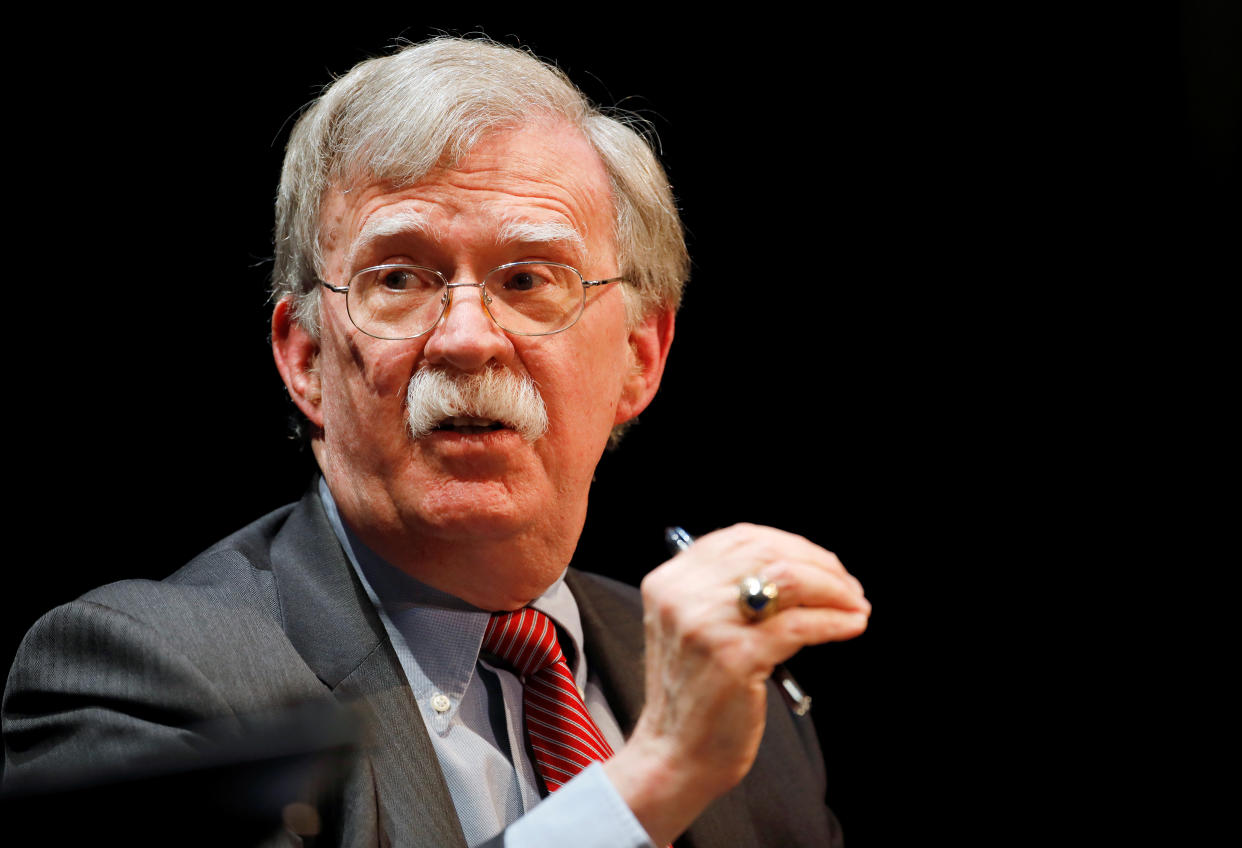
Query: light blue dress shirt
[(473, 712)]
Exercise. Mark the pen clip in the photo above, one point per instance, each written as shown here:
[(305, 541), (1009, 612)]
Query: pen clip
[(677, 539)]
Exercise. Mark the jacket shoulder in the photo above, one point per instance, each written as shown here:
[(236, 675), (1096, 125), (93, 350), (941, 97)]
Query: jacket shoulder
[(132, 667), (235, 573)]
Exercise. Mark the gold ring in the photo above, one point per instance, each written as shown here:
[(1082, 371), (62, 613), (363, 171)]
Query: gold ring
[(756, 598)]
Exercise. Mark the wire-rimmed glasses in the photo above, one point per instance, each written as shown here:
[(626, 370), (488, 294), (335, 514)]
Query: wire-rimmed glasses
[(525, 298)]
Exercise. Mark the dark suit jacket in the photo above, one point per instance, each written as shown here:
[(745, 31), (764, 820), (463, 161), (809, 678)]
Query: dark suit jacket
[(274, 616)]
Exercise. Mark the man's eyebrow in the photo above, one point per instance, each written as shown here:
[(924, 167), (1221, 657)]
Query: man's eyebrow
[(405, 222), (516, 231)]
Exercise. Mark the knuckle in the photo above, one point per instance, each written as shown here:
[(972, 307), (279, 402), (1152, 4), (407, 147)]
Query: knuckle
[(655, 583), (659, 605), (740, 533), (780, 572), (743, 657), (666, 612), (698, 637), (796, 628)]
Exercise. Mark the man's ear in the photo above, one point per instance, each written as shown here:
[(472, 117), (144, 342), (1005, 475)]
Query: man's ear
[(296, 353), (649, 342)]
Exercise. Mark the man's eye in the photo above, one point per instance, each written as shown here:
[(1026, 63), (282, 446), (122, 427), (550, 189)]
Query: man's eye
[(397, 280), (405, 279), (524, 281)]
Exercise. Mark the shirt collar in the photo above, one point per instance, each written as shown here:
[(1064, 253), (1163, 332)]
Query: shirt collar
[(423, 615)]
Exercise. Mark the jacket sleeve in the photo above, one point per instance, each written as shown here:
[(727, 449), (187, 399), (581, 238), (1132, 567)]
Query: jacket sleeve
[(144, 706), (94, 690)]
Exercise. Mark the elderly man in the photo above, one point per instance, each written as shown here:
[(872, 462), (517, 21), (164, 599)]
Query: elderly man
[(476, 279)]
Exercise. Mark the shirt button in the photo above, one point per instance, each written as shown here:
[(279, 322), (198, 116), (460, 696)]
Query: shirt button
[(440, 702)]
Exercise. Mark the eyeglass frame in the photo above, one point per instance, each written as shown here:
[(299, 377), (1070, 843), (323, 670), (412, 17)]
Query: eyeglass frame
[(447, 296)]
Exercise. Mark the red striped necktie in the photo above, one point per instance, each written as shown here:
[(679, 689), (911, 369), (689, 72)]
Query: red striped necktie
[(562, 735)]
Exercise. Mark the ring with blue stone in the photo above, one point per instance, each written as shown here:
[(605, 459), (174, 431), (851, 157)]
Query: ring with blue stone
[(756, 598)]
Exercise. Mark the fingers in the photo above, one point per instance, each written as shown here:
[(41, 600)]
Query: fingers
[(804, 573), (762, 546), (802, 585), (693, 598), (791, 630)]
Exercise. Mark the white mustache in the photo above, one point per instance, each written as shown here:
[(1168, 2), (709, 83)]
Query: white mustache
[(497, 394)]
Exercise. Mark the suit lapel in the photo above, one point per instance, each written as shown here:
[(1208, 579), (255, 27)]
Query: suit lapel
[(332, 624), (612, 635)]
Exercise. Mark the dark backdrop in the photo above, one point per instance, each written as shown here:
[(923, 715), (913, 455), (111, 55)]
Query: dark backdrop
[(882, 207)]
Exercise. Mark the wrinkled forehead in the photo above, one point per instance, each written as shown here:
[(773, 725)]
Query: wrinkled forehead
[(539, 184), (500, 230)]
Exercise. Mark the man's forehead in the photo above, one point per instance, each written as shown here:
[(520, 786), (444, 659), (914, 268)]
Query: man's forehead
[(539, 183), (507, 227), (504, 229)]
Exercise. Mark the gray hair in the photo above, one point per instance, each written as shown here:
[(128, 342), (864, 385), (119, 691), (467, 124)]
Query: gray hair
[(394, 119)]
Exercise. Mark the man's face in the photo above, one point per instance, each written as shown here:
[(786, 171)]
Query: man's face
[(487, 516)]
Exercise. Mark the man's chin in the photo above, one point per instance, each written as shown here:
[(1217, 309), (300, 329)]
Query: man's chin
[(475, 510)]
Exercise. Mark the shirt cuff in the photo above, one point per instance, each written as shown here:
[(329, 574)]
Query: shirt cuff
[(586, 812)]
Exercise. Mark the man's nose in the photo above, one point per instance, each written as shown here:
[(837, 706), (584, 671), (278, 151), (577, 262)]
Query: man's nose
[(466, 337)]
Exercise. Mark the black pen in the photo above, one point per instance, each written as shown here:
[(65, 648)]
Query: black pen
[(799, 702)]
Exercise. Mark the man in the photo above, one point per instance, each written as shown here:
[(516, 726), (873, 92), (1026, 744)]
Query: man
[(476, 279)]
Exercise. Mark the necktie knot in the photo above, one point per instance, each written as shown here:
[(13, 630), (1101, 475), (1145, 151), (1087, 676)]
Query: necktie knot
[(525, 639)]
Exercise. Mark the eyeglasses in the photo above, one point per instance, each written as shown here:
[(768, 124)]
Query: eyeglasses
[(525, 298)]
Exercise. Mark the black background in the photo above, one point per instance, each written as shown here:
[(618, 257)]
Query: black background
[(915, 236)]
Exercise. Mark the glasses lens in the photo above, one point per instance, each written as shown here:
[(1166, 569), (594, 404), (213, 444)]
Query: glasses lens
[(395, 301), (534, 297)]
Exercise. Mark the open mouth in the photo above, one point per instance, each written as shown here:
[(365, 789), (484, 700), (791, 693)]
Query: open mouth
[(467, 425)]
